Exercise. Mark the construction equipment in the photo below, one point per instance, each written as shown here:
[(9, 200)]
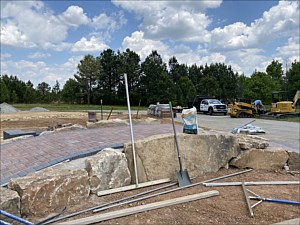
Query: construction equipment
[(182, 175), (281, 106), (243, 108)]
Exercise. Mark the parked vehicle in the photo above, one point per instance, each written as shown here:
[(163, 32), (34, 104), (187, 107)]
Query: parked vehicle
[(211, 106), (197, 100)]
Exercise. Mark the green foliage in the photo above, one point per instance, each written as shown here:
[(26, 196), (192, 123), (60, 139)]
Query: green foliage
[(71, 92), (4, 94), (274, 70), (43, 90), (293, 79), (108, 77), (56, 92), (187, 89), (87, 74), (260, 86), (156, 85), (30, 95), (151, 81)]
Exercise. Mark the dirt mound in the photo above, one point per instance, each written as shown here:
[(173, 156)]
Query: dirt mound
[(39, 109), (7, 108)]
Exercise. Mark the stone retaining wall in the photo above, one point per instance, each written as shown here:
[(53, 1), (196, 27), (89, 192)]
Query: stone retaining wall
[(52, 189), (157, 155)]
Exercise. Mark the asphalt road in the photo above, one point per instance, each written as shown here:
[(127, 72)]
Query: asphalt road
[(279, 133)]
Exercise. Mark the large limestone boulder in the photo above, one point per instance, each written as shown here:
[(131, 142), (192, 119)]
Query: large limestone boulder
[(50, 190), (107, 169), (294, 161), (272, 158), (156, 156), (9, 202)]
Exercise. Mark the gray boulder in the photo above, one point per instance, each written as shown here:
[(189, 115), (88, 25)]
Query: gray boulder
[(107, 169), (9, 202), (294, 161), (156, 156), (50, 190), (272, 158)]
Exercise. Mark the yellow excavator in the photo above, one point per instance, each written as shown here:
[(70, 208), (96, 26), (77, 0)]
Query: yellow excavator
[(281, 107)]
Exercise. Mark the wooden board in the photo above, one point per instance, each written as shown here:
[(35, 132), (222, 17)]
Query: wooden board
[(131, 187), (142, 208)]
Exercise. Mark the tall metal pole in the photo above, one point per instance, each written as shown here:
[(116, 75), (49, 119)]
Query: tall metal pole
[(131, 131), (101, 110)]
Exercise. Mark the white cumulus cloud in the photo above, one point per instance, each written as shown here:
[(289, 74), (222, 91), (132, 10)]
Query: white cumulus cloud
[(177, 20), (92, 45), (74, 16), (108, 22), (281, 20), (38, 55)]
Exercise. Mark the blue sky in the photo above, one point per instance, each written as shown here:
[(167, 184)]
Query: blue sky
[(45, 40)]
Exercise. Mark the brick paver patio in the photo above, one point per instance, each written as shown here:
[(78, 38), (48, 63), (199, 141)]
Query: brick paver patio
[(35, 153)]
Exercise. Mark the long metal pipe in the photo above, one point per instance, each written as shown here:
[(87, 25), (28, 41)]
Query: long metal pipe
[(133, 196), (109, 203), (169, 191), (15, 217), (252, 183), (131, 132)]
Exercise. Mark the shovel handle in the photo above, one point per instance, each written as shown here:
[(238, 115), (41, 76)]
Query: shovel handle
[(175, 135)]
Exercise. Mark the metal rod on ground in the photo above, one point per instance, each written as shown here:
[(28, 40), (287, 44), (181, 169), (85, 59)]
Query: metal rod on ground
[(131, 131), (137, 112), (109, 203), (109, 113), (169, 191), (136, 195), (252, 183), (2, 212)]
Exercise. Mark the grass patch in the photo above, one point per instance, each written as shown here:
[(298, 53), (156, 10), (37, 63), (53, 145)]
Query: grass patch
[(77, 107)]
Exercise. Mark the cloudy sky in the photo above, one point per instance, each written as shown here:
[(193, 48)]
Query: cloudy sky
[(45, 40)]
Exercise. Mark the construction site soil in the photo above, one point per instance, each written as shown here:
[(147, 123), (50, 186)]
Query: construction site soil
[(229, 207)]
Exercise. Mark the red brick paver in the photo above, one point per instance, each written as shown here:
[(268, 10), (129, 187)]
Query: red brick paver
[(19, 158)]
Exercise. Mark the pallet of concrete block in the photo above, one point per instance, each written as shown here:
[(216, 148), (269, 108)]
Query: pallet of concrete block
[(160, 110)]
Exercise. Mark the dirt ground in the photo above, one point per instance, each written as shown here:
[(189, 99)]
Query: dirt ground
[(228, 208)]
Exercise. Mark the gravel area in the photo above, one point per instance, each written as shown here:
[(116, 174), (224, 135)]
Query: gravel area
[(39, 109), (7, 108)]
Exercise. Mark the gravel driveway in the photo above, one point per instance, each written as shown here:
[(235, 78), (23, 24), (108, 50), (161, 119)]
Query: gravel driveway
[(280, 133)]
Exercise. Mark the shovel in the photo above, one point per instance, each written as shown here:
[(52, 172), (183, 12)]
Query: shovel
[(182, 175)]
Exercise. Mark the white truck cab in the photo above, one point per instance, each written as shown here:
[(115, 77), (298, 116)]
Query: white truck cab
[(211, 106)]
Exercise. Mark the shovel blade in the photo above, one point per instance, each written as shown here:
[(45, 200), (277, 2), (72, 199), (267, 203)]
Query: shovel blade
[(183, 178)]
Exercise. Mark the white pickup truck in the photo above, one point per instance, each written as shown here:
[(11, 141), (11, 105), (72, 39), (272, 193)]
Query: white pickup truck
[(211, 106)]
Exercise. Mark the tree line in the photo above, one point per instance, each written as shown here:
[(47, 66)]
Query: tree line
[(153, 80)]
